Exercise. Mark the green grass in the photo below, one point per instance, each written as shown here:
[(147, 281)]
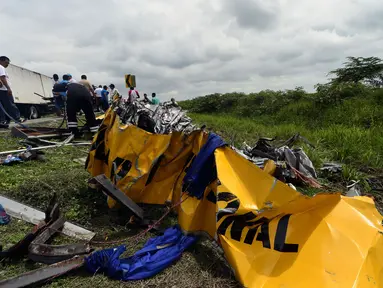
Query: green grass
[(350, 145), (359, 150), (34, 182)]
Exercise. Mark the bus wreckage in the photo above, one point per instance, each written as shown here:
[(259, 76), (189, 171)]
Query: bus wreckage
[(244, 200), (271, 235)]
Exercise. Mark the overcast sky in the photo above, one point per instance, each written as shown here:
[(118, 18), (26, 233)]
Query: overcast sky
[(185, 49)]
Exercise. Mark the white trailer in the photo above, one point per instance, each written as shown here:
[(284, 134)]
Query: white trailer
[(32, 91)]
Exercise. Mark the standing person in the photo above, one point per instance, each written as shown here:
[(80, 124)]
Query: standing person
[(104, 98), (155, 100), (6, 96), (133, 95), (60, 97), (55, 79), (98, 92), (84, 81), (71, 79), (146, 100), (114, 93), (78, 98)]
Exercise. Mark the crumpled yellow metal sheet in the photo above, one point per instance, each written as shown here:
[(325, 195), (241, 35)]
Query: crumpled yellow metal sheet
[(272, 235)]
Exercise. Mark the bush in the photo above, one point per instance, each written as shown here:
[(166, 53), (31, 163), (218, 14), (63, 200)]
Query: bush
[(334, 93), (378, 96)]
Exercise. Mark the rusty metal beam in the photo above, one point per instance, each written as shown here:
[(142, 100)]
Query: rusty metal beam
[(111, 190), (49, 254), (45, 274), (39, 132), (20, 249)]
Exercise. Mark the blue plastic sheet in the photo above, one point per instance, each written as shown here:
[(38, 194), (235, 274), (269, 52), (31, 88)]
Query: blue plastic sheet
[(157, 254)]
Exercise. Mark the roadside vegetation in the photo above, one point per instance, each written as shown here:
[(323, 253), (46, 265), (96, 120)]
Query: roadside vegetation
[(342, 118)]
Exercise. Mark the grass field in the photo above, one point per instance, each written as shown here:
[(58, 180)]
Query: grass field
[(33, 183), (359, 150), (354, 146)]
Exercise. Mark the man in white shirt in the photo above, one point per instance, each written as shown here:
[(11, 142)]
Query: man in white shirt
[(133, 95), (98, 91), (6, 96), (71, 80)]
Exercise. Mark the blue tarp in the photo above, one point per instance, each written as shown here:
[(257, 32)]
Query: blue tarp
[(157, 254), (202, 170)]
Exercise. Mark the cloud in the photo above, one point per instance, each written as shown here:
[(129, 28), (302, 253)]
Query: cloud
[(187, 49), (255, 14)]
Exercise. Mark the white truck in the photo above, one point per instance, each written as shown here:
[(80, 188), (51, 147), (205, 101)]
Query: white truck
[(32, 91)]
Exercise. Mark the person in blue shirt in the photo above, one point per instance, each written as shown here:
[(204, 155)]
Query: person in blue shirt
[(104, 98), (60, 97)]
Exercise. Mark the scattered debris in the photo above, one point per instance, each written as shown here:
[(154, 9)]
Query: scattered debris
[(354, 189), (333, 168), (31, 215), (4, 217), (34, 243), (20, 249), (160, 119), (376, 183), (32, 151), (293, 164), (45, 147), (27, 155), (111, 190), (50, 254), (44, 274), (39, 132)]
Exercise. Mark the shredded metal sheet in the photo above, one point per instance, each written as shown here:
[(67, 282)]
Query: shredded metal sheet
[(166, 117)]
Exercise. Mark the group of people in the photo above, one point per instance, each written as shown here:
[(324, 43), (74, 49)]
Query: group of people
[(76, 96), (99, 95), (8, 109)]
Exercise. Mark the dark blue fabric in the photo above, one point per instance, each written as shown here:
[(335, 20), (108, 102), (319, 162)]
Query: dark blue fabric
[(202, 171), (157, 254)]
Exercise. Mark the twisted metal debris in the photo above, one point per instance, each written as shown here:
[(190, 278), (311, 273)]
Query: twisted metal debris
[(293, 164), (160, 119)]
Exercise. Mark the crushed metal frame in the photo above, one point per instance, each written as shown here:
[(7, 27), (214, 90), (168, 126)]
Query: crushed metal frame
[(50, 254), (111, 190)]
